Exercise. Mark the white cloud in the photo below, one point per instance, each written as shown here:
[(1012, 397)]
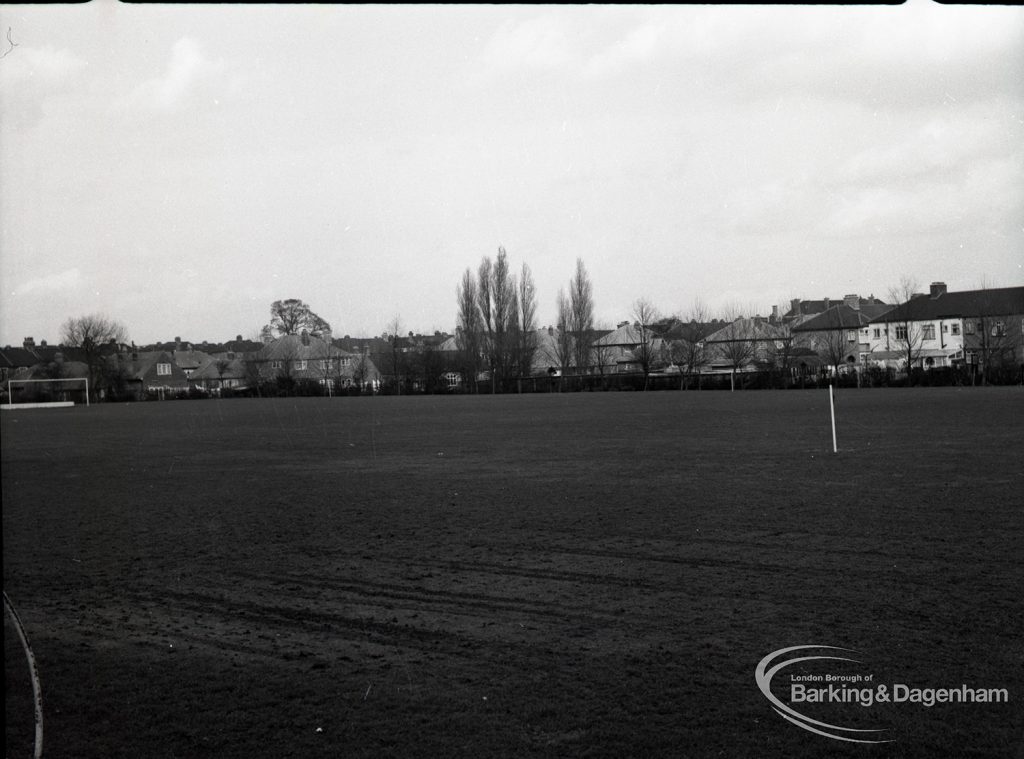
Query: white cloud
[(638, 45), (46, 67), (65, 280), (188, 72), (537, 43), (29, 76)]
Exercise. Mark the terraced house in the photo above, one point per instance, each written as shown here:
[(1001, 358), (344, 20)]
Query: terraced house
[(979, 328), (307, 358)]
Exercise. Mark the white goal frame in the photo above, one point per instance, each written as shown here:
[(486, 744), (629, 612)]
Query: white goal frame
[(46, 404)]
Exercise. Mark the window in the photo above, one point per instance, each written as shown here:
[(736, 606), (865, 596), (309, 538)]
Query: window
[(851, 336), (325, 364), (275, 364), (162, 370), (901, 332), (300, 364), (954, 328), (878, 332), (968, 328), (998, 329), (345, 361), (928, 331)]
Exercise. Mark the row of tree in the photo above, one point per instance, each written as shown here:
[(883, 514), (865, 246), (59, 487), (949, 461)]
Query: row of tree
[(497, 321)]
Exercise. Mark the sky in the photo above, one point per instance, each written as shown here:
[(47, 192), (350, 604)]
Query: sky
[(179, 168)]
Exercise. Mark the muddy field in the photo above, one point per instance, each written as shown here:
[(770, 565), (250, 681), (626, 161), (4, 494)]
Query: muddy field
[(562, 575)]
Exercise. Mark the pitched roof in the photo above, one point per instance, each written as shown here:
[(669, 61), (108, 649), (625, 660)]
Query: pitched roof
[(210, 370), (15, 358), (141, 363), (189, 359), (749, 329), (627, 334), (1004, 301), (841, 317), (804, 308), (299, 347)]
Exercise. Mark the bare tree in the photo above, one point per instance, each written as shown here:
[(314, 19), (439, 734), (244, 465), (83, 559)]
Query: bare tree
[(581, 316), (695, 326), (92, 334), (221, 365), (469, 329), (601, 352), (563, 342), (735, 344), (495, 329), (645, 353), (907, 337), (292, 316), (326, 363), (780, 351), (830, 343), (361, 370), (497, 299), (989, 334), (395, 355), (527, 327)]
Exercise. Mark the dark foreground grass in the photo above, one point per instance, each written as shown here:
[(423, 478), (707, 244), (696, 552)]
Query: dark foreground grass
[(578, 575)]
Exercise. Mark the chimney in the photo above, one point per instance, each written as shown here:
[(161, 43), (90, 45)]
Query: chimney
[(42, 343), (853, 301), (305, 337), (828, 304), (794, 306), (775, 314), (937, 289), (551, 331), (28, 344)]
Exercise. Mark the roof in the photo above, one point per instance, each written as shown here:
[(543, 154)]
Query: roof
[(627, 334), (299, 347), (142, 363), (1004, 301), (841, 317), (189, 359), (810, 307), (235, 369), (15, 358), (40, 370), (747, 329)]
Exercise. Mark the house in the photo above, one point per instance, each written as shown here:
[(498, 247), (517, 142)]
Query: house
[(981, 328), (188, 359), (15, 360), (801, 310), (629, 348), (220, 371), (304, 357), (49, 391), (840, 336), (146, 373), (743, 345)]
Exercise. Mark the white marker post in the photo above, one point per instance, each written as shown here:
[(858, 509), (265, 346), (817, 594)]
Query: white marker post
[(832, 407)]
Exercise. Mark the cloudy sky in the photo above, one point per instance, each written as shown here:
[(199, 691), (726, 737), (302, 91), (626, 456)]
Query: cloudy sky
[(181, 167)]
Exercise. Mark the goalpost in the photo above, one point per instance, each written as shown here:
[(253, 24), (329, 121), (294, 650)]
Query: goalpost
[(62, 390)]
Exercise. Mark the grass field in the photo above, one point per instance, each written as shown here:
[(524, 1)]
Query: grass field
[(559, 575)]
